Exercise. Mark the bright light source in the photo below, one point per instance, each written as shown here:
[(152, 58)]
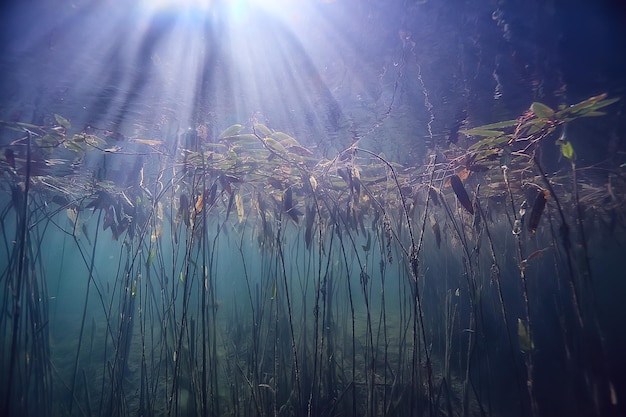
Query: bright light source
[(176, 5), (236, 6)]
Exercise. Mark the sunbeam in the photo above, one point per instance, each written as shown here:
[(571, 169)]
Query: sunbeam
[(247, 59), (311, 208)]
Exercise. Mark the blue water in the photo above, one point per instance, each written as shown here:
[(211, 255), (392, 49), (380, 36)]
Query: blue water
[(315, 260)]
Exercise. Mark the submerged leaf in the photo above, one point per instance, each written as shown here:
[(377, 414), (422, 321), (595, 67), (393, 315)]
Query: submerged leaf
[(461, 194), (264, 130), (62, 121), (74, 146), (594, 114), (541, 110), (604, 102), (285, 139), (368, 244), (433, 193), (499, 125), (242, 139), (463, 174), (183, 210), (274, 182), (567, 150), (231, 130), (239, 205), (22, 127), (150, 259), (534, 255), (587, 106), (491, 142), (299, 150), (436, 231), (310, 221), (149, 142), (274, 146), (524, 337), (481, 131), (289, 205), (200, 202), (535, 214), (478, 168)]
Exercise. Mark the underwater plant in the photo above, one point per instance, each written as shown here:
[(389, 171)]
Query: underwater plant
[(251, 275)]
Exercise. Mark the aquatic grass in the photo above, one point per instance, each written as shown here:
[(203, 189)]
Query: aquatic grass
[(84, 315), (266, 280), (496, 276), (24, 322)]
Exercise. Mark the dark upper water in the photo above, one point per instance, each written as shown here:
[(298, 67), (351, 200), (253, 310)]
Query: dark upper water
[(318, 259)]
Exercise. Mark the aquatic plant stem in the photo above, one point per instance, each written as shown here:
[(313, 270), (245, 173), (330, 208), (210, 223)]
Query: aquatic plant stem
[(528, 358), (588, 281), (289, 309), (345, 258), (318, 341), (413, 258), (22, 231), (470, 278), (565, 241), (84, 315), (414, 263), (495, 270)]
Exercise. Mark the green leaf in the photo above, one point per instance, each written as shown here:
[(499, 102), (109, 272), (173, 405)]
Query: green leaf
[(594, 114), (480, 131), (524, 337), (52, 139), (285, 139), (94, 140), (150, 258), (62, 121), (74, 146), (23, 127), (492, 142), (499, 125), (246, 137), (567, 150), (230, 131), (274, 145), (265, 131), (587, 106), (541, 110), (215, 145), (534, 128), (604, 103)]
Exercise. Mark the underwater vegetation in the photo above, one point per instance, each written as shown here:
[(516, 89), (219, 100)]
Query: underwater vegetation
[(248, 275)]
